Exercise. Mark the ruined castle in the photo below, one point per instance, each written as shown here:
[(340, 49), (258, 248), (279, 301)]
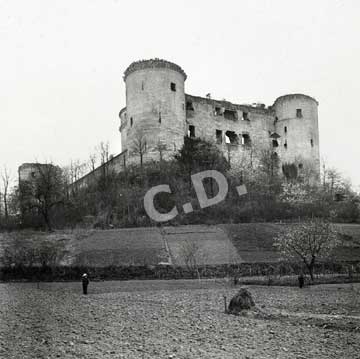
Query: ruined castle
[(158, 114)]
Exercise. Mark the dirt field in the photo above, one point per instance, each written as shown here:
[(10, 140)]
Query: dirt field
[(176, 319)]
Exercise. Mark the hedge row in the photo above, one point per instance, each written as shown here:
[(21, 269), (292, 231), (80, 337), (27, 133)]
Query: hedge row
[(67, 273)]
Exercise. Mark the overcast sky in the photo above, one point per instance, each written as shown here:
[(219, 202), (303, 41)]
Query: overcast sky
[(62, 62)]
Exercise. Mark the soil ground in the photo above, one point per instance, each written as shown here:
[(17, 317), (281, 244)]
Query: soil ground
[(176, 319)]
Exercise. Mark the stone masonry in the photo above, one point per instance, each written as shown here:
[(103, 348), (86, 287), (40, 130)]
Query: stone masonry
[(159, 110), (158, 114)]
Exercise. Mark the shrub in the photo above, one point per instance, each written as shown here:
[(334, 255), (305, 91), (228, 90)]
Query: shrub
[(23, 250)]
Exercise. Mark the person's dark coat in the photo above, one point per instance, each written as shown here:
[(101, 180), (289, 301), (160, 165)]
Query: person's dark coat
[(85, 283), (301, 280)]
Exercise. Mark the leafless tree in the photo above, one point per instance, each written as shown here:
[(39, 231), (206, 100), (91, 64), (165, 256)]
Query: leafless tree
[(269, 163), (43, 192), (161, 148), (5, 178), (104, 152), (92, 161), (333, 180), (75, 170), (139, 145), (192, 255)]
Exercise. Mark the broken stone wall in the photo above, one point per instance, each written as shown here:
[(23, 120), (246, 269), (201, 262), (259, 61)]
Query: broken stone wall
[(208, 117)]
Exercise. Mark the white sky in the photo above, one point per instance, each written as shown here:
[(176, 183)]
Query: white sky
[(62, 62)]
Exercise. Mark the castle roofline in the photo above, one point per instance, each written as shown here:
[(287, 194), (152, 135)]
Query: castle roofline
[(228, 104), (295, 96), (153, 64)]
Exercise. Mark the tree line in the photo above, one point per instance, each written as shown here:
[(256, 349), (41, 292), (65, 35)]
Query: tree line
[(115, 199)]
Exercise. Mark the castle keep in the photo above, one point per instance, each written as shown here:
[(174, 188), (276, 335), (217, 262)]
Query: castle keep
[(158, 114)]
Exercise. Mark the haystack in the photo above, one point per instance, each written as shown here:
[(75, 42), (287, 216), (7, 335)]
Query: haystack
[(241, 301)]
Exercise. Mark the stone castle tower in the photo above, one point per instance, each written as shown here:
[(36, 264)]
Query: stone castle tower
[(296, 121), (158, 110), (155, 106)]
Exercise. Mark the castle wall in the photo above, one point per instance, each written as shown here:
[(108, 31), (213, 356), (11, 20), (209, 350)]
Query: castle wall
[(165, 116), (207, 120), (115, 165), (297, 136)]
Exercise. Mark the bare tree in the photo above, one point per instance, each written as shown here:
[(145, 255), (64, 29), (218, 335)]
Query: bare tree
[(104, 152), (75, 170), (161, 148), (5, 178), (191, 254), (43, 192), (139, 145), (267, 174), (308, 241), (334, 180), (92, 161), (269, 163), (331, 178)]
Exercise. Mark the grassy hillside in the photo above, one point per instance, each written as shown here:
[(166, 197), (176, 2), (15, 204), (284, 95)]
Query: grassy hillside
[(254, 241), (211, 245), (135, 246), (228, 243)]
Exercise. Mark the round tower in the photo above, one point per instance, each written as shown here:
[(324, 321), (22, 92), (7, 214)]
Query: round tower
[(155, 108), (297, 124)]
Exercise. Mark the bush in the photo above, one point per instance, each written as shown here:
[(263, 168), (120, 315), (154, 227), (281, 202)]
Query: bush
[(21, 251), (245, 273)]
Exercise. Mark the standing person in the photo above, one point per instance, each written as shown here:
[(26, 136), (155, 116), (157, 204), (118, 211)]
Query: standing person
[(85, 282), (301, 280)]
